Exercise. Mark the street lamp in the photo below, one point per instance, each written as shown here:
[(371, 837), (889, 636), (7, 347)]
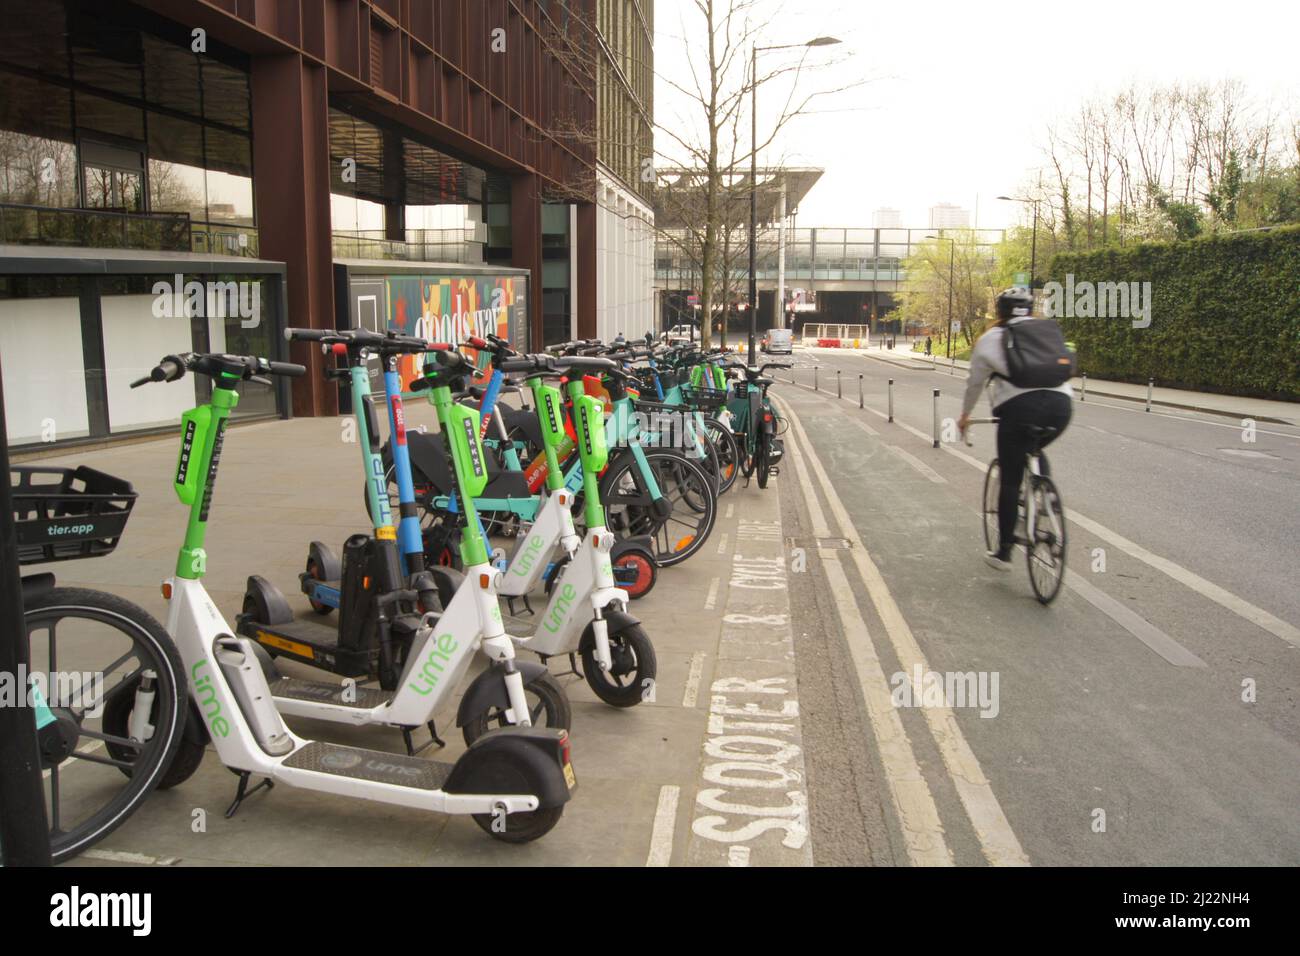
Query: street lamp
[(1033, 243), (753, 178), (952, 261)]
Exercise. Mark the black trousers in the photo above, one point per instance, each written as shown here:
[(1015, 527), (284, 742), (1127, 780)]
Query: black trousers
[(1041, 407)]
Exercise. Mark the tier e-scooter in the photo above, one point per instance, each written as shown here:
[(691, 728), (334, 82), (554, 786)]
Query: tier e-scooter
[(379, 609)]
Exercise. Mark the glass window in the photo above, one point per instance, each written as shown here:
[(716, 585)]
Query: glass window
[(171, 76), (229, 164), (177, 180), (225, 94), (109, 116)]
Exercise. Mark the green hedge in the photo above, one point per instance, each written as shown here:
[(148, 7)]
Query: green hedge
[(1225, 313)]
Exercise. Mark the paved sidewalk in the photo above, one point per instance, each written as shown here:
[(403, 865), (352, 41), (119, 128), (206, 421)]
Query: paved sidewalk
[(649, 790), (1234, 406)]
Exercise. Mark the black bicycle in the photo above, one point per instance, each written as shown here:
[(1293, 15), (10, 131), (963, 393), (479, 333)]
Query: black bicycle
[(1040, 524), (106, 681)]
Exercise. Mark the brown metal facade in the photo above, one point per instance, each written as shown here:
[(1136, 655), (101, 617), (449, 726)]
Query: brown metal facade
[(504, 84)]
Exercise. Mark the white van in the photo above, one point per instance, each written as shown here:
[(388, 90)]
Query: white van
[(778, 342)]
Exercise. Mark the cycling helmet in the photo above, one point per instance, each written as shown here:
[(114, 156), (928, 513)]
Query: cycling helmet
[(1014, 303)]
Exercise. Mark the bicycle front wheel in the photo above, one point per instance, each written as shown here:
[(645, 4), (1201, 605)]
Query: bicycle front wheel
[(992, 483), (1046, 548), (678, 527), (728, 453), (104, 754)]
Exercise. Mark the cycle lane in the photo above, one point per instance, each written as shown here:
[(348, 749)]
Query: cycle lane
[(1068, 674)]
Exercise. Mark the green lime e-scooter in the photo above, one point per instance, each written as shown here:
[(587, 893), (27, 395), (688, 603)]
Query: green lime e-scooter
[(587, 613)]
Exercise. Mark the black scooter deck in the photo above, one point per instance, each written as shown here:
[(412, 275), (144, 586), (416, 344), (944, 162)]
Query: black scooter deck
[(309, 642)]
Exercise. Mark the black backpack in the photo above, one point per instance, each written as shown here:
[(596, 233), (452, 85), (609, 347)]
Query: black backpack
[(1037, 356)]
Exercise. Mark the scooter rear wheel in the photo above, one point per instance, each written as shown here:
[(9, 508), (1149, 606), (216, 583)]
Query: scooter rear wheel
[(640, 573), (521, 827), (316, 574)]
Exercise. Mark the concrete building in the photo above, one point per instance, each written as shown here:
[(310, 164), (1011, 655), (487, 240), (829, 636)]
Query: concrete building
[(427, 166), (886, 218), (948, 216), (625, 233)]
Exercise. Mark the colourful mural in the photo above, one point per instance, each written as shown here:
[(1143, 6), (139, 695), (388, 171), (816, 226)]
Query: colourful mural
[(449, 308)]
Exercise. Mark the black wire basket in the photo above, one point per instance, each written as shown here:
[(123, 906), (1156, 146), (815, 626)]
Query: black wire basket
[(62, 514), (705, 399)]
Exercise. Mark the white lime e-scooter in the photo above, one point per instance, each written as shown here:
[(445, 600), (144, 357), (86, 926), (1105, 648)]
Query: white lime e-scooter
[(513, 781), (587, 613)]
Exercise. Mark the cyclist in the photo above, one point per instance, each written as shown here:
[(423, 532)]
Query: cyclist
[(1015, 407)]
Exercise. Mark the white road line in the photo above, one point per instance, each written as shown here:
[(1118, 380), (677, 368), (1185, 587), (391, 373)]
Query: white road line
[(1134, 623), (1224, 598), (693, 679), (919, 465), (712, 598), (738, 856), (997, 840), (914, 805), (731, 508), (722, 543), (661, 836), (865, 427), (1207, 589), (122, 856)]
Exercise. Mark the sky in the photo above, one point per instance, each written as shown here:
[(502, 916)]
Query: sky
[(954, 97)]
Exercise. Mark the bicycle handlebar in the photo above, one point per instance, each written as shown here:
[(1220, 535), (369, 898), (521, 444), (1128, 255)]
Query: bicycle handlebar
[(965, 435)]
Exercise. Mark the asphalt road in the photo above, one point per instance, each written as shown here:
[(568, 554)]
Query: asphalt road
[(1149, 716)]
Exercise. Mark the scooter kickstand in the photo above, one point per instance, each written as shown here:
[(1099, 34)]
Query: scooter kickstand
[(243, 792), (573, 666), (412, 750)]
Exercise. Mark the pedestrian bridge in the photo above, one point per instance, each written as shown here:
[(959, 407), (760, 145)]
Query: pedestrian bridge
[(824, 259)]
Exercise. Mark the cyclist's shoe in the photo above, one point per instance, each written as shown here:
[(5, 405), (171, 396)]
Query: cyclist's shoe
[(998, 559)]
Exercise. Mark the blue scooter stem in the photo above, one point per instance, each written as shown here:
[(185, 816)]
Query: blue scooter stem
[(409, 541)]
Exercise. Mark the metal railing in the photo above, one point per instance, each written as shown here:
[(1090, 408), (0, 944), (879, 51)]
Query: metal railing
[(32, 225), (420, 245)]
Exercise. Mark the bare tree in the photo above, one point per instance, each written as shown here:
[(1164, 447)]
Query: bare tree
[(703, 177)]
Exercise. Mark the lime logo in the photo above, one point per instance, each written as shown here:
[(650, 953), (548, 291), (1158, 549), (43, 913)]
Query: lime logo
[(340, 760), (560, 612), (428, 676), (524, 563), (205, 695)]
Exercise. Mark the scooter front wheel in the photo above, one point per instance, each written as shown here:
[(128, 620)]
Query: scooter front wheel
[(548, 706), (631, 679)]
